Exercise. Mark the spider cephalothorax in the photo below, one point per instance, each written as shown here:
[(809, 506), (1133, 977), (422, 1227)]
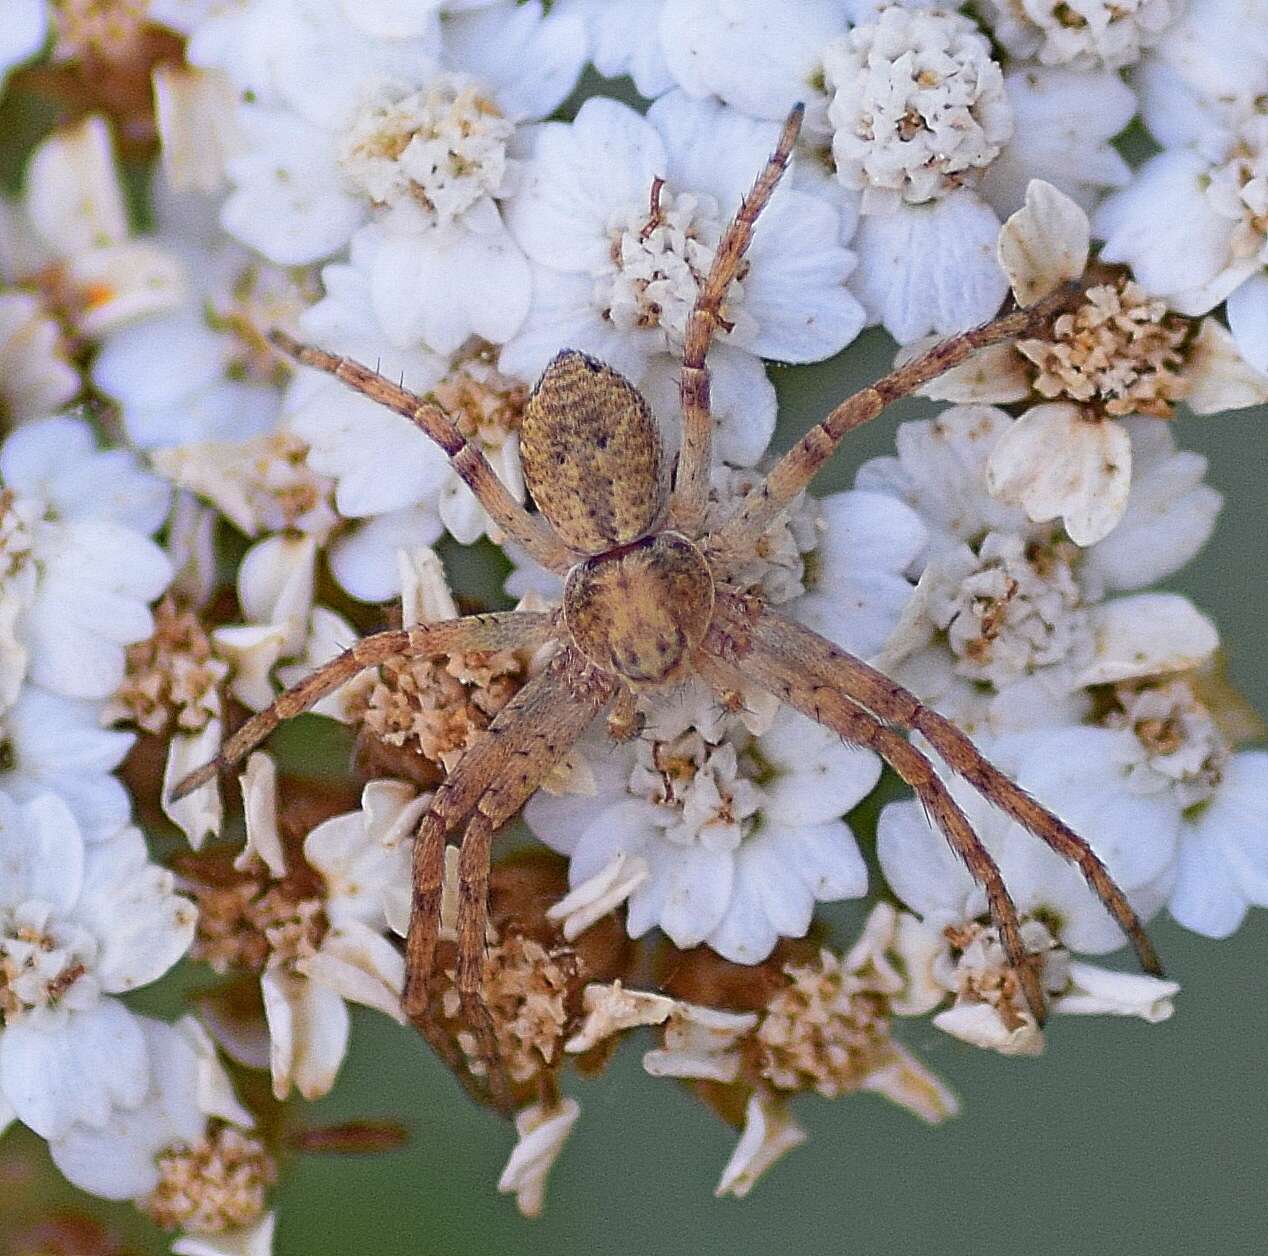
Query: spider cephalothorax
[(646, 606)]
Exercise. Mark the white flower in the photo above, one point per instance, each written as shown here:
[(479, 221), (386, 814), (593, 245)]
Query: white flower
[(35, 377), (74, 235), (77, 926), (618, 256), (52, 743), (204, 371), (1010, 620), (330, 948), (1059, 913), (918, 107), (924, 132), (543, 1129), (382, 464), (120, 1159), (1083, 34), (741, 835), (404, 134), (625, 40), (77, 568), (184, 1156), (1191, 224), (1118, 353)]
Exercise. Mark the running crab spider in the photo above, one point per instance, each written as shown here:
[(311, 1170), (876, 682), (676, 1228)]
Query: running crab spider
[(645, 607)]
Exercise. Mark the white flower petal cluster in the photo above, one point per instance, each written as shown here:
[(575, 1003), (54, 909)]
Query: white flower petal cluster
[(741, 835), (316, 964), (621, 217), (77, 566), (1193, 224), (927, 135), (79, 925), (1011, 621)]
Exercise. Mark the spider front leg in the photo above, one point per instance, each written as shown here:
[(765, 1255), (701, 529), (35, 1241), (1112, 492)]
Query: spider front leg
[(500, 771), (691, 481), (502, 630), (465, 458), (794, 471)]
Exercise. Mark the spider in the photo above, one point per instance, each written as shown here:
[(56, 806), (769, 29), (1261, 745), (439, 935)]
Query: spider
[(645, 607)]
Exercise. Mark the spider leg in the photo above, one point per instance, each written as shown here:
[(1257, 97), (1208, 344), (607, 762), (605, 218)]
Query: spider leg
[(794, 471), (498, 631), (691, 482), (815, 695), (500, 771), (811, 673), (465, 458)]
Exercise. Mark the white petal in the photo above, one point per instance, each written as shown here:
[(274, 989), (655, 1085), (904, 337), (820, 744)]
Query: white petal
[(698, 887), (259, 806), (981, 1025), (200, 814), (908, 1083), (308, 1032), (1056, 464), (1043, 244), (1075, 773), (118, 1160), (363, 560), (1170, 512), (73, 194), (926, 268), (252, 1240), (1145, 635), (1248, 320), (1206, 898), (1101, 991), (75, 1070), (132, 906), (361, 966), (1163, 226), (1238, 815), (1220, 378), (770, 1131), (215, 1093), (533, 61), (827, 858), (41, 852), (542, 1133), (921, 868)]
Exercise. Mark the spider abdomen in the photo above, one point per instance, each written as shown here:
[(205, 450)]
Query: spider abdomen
[(591, 454), (641, 610)]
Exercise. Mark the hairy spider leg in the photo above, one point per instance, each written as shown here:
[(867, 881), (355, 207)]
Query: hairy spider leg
[(691, 481)]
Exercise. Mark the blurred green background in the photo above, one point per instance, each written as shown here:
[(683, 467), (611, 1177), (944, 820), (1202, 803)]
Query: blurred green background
[(1123, 1138)]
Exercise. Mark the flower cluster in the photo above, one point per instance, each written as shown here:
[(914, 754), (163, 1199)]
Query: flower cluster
[(188, 526)]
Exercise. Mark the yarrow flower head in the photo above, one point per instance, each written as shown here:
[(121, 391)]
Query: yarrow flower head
[(1081, 35), (918, 109)]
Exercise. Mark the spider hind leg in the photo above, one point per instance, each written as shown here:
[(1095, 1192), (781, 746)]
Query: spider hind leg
[(500, 771)]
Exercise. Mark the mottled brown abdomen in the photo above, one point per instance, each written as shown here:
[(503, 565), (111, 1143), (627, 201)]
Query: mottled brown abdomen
[(591, 455)]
